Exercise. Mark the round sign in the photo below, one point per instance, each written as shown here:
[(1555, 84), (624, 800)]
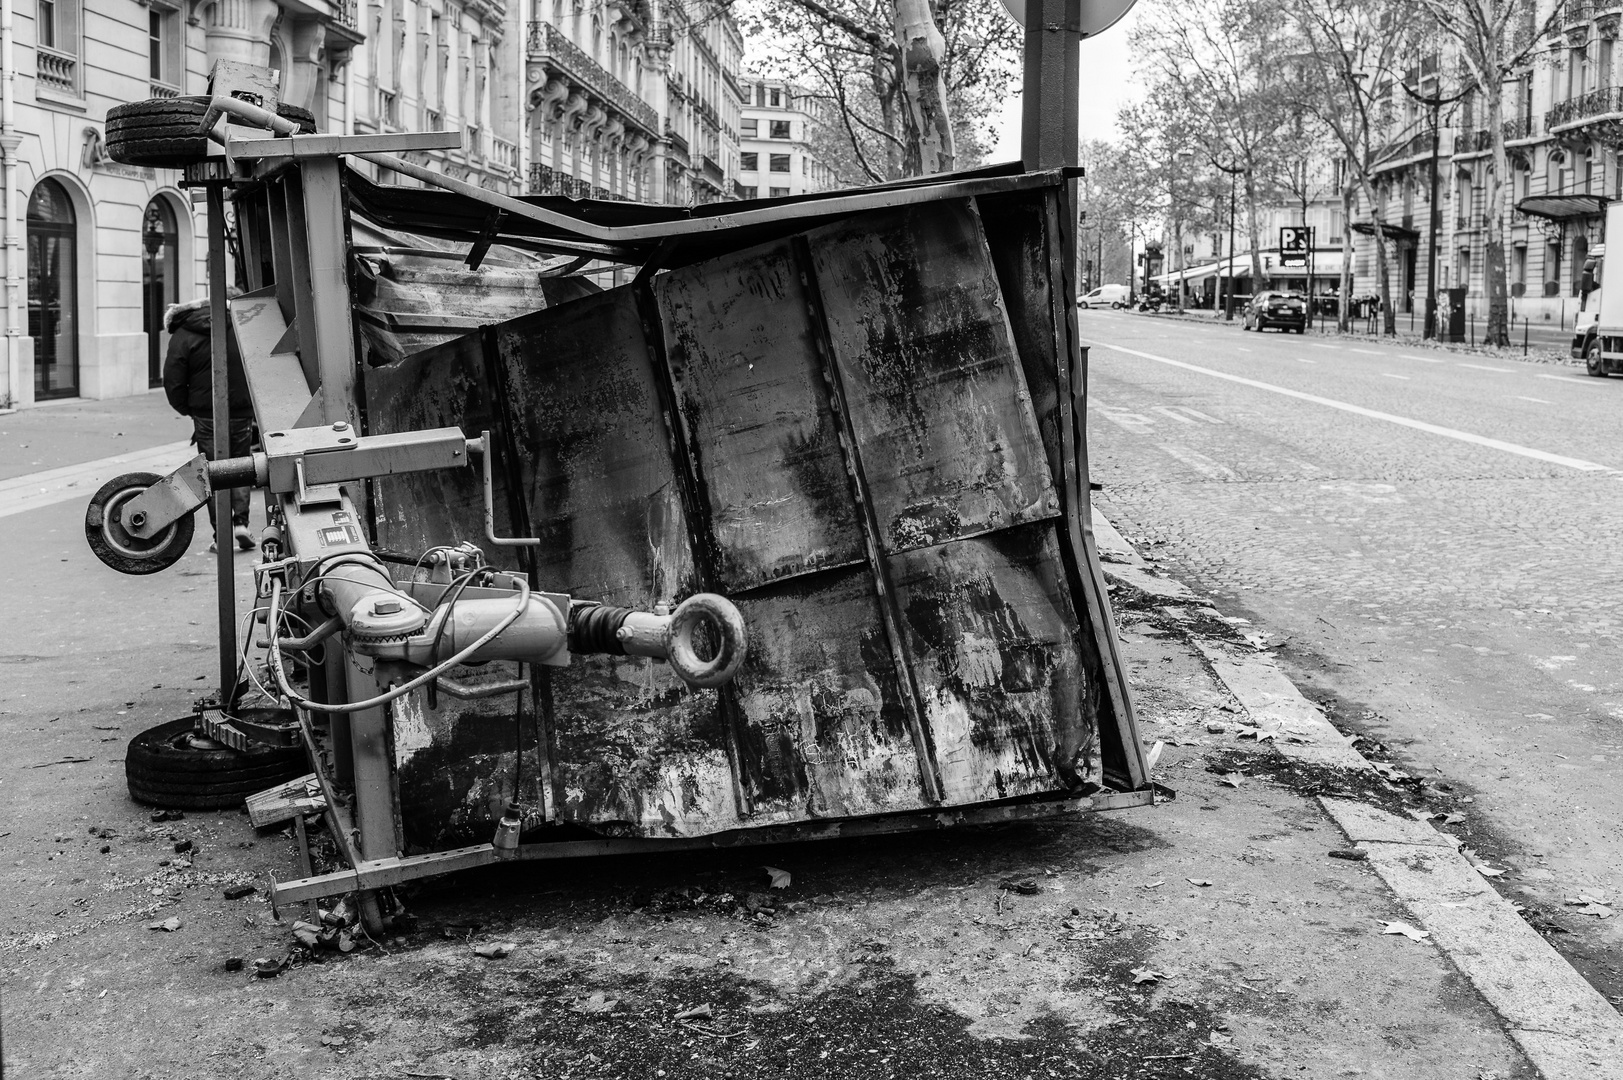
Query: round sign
[(1097, 16)]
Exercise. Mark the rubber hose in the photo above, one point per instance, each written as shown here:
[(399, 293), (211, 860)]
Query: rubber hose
[(595, 628)]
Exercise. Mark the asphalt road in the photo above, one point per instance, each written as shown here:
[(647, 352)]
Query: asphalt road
[(1428, 540)]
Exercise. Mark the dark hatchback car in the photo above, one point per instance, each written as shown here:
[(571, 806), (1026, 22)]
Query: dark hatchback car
[(1286, 311)]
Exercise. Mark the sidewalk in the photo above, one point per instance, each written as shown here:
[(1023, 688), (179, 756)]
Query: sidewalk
[(1242, 929), (53, 436)]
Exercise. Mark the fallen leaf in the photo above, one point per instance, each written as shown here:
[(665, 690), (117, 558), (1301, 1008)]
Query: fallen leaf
[(1600, 911), (1154, 884), (1202, 882), (1448, 819), (168, 926), (1217, 1038), (698, 1012), (1407, 931), (1147, 975), (1585, 898), (1231, 779), (495, 950), (780, 878), (1487, 871)]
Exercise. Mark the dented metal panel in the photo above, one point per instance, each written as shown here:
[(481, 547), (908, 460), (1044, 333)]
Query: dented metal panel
[(835, 429)]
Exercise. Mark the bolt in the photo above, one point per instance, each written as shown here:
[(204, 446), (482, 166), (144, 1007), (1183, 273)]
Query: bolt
[(138, 519), (340, 426), (386, 607)]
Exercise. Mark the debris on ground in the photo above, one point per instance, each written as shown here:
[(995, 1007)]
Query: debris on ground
[(233, 963), (1410, 932), (596, 1003), (1023, 886), (698, 1012), (267, 967), (1590, 905), (1350, 854), (168, 926), (237, 892), (1147, 975), (495, 950), (780, 878), (182, 846), (1202, 882), (168, 815)]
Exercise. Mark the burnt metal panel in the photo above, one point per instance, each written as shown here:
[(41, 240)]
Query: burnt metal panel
[(821, 703), (755, 410), (993, 635), (938, 402)]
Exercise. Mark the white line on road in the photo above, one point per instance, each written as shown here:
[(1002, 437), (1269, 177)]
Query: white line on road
[(1173, 413), (1541, 401), (1389, 375), (1366, 352), (1239, 348), (1316, 345), (1201, 463), (21, 493), (1484, 367), (1299, 360), (1424, 359), (1373, 414), (1561, 378)]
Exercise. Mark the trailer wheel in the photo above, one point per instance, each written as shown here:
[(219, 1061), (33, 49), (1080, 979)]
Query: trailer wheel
[(1592, 359), (113, 544), (172, 766)]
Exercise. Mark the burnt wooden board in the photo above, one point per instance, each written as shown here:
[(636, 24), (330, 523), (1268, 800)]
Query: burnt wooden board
[(755, 412), (937, 398)]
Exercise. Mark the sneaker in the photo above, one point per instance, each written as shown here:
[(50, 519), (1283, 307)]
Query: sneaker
[(213, 547), (245, 539)]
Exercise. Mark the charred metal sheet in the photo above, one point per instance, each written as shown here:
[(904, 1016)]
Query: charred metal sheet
[(938, 402), (632, 746), (821, 708), (993, 635), (756, 415)]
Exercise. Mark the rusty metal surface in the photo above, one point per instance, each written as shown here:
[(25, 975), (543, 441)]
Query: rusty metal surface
[(905, 567)]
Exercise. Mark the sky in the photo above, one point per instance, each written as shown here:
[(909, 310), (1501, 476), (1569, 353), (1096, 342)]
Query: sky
[(1107, 85)]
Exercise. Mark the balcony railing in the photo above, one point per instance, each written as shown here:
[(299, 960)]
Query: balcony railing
[(503, 153), (676, 140), (545, 180), (1473, 142), (1523, 127), (1577, 11), (1607, 101), (433, 120), (57, 70), (162, 90), (344, 13), (546, 42)]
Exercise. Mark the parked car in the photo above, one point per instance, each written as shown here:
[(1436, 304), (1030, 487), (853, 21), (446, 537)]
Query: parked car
[(1112, 296), (1287, 311)]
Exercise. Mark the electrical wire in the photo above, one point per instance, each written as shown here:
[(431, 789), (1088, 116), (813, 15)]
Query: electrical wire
[(404, 688)]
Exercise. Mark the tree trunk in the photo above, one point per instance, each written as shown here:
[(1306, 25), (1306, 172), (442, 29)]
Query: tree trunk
[(884, 90), (1258, 281), (1343, 307), (1382, 276), (926, 122), (1494, 271)]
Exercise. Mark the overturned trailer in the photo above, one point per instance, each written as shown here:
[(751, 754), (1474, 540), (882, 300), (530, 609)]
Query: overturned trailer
[(858, 417)]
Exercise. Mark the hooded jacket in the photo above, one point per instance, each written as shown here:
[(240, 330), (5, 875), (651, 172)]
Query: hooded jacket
[(188, 376)]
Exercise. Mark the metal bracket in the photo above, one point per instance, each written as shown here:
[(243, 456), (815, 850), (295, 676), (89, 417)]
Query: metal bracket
[(483, 449), (467, 692)]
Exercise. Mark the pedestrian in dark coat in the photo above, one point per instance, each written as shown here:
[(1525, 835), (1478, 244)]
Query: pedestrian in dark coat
[(188, 383)]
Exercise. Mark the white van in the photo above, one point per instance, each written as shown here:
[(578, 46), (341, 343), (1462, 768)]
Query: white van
[(1114, 296)]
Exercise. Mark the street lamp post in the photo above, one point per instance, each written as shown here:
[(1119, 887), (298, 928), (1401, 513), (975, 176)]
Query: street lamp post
[(1435, 226), (1228, 297)]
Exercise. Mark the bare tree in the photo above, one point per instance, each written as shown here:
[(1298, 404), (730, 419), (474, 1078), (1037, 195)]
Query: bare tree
[(1495, 39)]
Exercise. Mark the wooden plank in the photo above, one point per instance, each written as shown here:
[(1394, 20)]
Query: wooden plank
[(755, 407), (285, 801)]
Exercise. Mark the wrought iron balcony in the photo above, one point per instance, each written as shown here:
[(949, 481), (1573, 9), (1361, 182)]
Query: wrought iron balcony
[(676, 140), (713, 170), (344, 13), (1577, 11), (1473, 142), (550, 46), (1523, 127), (1605, 103)]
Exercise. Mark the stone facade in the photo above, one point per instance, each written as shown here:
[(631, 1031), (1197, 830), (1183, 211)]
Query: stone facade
[(776, 141)]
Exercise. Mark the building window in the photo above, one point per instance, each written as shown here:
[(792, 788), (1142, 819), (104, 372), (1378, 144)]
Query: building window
[(748, 129), (749, 161), (46, 33), (777, 97), (1518, 266), (56, 30), (163, 47), (778, 162), (53, 302), (779, 130), (779, 192)]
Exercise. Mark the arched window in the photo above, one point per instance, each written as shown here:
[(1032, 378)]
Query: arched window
[(53, 301), (160, 280)]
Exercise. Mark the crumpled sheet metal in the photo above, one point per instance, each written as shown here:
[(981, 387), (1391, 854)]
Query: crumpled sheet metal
[(835, 430)]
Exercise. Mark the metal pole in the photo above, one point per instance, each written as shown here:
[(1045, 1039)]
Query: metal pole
[(1228, 301), (225, 548), (1429, 331)]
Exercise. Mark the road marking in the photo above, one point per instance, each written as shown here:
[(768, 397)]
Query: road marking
[(1561, 378), (1239, 348), (1373, 414), (1197, 414), (34, 490), (1201, 463), (1389, 375), (1424, 359), (1366, 352), (1167, 411), (1484, 367), (1541, 401), (1316, 345), (1300, 360)]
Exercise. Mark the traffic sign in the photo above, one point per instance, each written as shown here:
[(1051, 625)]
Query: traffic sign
[(1295, 241), (1095, 16)]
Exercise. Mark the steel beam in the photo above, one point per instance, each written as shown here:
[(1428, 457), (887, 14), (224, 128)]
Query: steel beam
[(225, 550), (328, 298)]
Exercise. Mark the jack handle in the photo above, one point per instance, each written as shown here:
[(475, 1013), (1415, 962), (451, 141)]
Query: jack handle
[(482, 447)]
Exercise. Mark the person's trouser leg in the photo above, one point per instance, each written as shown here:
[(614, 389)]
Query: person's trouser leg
[(241, 445), (203, 436)]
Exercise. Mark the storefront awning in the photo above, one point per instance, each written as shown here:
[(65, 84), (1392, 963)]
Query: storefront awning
[(1393, 232), (1562, 207)]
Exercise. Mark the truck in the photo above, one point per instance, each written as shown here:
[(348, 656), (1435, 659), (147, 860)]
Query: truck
[(1597, 333)]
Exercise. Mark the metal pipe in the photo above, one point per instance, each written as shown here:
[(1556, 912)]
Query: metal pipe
[(225, 553)]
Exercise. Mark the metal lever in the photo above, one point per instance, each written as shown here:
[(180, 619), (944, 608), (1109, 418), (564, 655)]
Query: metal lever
[(483, 447)]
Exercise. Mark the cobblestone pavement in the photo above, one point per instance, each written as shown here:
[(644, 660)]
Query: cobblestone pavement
[(1456, 601)]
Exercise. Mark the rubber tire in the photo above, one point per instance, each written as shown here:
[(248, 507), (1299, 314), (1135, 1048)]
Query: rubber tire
[(117, 548), (163, 132), (1592, 360), (162, 769)]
